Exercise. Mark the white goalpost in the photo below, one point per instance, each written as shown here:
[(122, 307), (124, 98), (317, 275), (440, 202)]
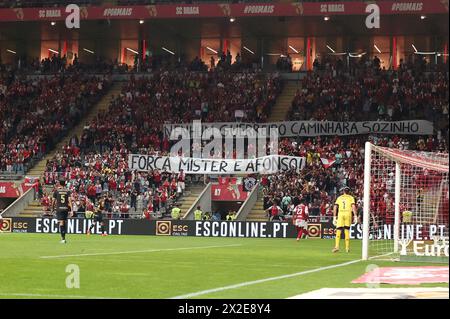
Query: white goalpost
[(405, 213)]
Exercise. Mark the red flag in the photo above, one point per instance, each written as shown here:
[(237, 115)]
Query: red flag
[(327, 162)]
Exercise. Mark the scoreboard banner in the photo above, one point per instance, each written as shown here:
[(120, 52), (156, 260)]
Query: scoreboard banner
[(209, 10)]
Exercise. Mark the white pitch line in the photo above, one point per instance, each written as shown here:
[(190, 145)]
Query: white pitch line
[(374, 257), (138, 251), (259, 281), (13, 294)]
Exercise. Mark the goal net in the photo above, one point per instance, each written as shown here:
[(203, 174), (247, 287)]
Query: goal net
[(405, 205)]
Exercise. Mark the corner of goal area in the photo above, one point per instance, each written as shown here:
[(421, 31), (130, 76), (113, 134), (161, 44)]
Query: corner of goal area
[(376, 293)]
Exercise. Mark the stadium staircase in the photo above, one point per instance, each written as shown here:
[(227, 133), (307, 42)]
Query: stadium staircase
[(191, 193), (257, 214), (34, 209), (279, 112), (283, 104), (103, 104)]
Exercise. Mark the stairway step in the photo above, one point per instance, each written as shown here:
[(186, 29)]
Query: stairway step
[(33, 207), (186, 203), (197, 191), (192, 198), (29, 215)]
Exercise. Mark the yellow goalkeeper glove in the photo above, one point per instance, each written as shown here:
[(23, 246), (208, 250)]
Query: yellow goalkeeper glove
[(334, 221)]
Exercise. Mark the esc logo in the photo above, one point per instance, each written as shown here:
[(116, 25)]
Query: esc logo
[(5, 225)]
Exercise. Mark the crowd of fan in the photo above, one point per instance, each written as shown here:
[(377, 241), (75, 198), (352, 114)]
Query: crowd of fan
[(35, 113), (96, 166), (57, 63), (284, 63), (320, 183), (369, 93), (95, 178), (136, 117), (373, 94)]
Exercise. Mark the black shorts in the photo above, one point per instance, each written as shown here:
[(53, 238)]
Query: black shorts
[(98, 219), (62, 215)]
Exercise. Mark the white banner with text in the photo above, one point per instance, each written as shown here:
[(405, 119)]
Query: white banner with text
[(314, 128), (261, 165)]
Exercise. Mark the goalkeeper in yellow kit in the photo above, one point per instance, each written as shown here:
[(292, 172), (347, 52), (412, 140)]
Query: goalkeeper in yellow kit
[(344, 207)]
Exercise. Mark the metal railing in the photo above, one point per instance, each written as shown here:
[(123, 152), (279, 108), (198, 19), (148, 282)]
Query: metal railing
[(10, 176)]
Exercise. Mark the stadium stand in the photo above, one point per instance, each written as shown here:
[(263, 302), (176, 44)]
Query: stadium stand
[(96, 162), (132, 123), (328, 94), (36, 113)]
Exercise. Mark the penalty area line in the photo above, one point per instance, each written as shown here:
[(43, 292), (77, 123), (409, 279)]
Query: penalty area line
[(259, 281), (139, 251)]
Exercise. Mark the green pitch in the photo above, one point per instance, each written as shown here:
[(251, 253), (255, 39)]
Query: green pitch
[(34, 266)]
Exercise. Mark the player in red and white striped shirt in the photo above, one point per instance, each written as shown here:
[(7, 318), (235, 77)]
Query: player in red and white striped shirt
[(300, 219)]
